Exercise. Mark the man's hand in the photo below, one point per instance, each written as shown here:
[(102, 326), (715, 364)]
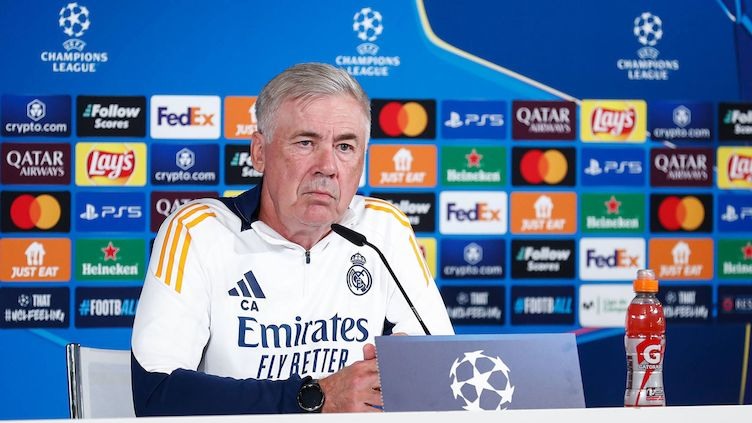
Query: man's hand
[(355, 387)]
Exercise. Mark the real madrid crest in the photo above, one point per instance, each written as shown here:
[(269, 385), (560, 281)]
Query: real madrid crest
[(358, 278)]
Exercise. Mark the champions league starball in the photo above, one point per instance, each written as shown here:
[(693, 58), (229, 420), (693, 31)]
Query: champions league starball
[(74, 19), (648, 29), (481, 382), (367, 24)]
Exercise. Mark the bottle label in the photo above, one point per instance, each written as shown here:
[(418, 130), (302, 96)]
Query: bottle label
[(645, 371)]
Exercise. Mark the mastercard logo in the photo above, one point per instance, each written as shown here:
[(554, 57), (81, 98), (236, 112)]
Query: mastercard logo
[(550, 167), (42, 212), (404, 118), (35, 211), (688, 213)]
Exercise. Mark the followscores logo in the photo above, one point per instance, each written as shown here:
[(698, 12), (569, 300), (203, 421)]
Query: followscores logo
[(239, 168), (185, 117), (734, 121), (542, 259), (111, 116)]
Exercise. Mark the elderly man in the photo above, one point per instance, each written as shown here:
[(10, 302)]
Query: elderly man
[(251, 304)]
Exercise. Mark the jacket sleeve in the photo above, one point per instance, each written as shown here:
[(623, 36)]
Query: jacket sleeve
[(188, 392), (172, 329)]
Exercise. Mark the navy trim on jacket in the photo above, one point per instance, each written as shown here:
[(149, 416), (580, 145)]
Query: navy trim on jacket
[(246, 206), (189, 392)]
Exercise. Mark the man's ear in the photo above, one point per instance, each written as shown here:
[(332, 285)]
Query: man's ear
[(257, 151)]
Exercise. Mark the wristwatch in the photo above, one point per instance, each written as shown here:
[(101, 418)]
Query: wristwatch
[(310, 396)]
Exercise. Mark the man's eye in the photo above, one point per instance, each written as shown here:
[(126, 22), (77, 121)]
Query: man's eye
[(345, 147), (305, 142)]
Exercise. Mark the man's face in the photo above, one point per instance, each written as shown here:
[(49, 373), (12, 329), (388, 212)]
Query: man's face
[(313, 164)]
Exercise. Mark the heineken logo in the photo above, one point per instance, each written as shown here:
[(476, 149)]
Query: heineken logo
[(612, 212), (110, 259), (735, 258), (473, 165)]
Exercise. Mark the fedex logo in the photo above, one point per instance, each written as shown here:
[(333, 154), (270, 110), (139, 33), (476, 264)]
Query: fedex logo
[(476, 212), (611, 259), (480, 212), (192, 117), (185, 117)]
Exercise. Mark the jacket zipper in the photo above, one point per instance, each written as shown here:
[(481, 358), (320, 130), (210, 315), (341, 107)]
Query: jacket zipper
[(308, 256)]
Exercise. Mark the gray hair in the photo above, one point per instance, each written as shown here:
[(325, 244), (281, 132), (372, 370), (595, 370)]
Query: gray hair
[(305, 82)]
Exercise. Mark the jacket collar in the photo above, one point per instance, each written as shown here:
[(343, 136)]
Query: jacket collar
[(245, 206)]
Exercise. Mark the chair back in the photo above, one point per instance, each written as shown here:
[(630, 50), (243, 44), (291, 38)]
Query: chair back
[(99, 382)]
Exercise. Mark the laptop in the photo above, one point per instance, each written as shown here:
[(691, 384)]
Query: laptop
[(479, 372)]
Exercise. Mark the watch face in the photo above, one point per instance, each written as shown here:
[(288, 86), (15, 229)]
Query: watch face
[(311, 397)]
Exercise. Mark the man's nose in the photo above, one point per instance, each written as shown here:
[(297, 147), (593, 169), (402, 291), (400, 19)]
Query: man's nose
[(326, 161)]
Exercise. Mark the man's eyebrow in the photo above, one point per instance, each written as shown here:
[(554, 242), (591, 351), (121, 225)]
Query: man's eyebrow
[(306, 134), (346, 136)]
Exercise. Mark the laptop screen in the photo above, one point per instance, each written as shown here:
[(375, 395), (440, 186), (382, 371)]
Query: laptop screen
[(479, 372)]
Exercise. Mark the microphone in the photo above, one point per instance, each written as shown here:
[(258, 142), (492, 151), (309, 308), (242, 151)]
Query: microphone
[(359, 239)]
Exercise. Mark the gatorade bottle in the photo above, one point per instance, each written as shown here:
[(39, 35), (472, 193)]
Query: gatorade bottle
[(645, 342)]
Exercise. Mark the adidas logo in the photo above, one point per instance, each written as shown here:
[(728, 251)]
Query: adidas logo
[(248, 287)]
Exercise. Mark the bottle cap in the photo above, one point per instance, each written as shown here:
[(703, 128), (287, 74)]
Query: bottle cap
[(645, 281)]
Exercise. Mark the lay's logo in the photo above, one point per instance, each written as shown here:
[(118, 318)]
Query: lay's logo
[(110, 164), (735, 167), (613, 121)]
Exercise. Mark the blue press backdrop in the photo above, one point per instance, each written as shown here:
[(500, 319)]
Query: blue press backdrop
[(475, 50)]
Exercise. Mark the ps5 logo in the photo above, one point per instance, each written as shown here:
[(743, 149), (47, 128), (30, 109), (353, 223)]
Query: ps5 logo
[(731, 215), (474, 119), (631, 167), (111, 212)]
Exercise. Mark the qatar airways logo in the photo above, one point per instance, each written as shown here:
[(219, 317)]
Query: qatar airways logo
[(110, 165), (613, 122)]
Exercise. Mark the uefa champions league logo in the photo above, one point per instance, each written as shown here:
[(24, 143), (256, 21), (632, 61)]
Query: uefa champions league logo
[(481, 382), (74, 20), (367, 24), (648, 29)]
